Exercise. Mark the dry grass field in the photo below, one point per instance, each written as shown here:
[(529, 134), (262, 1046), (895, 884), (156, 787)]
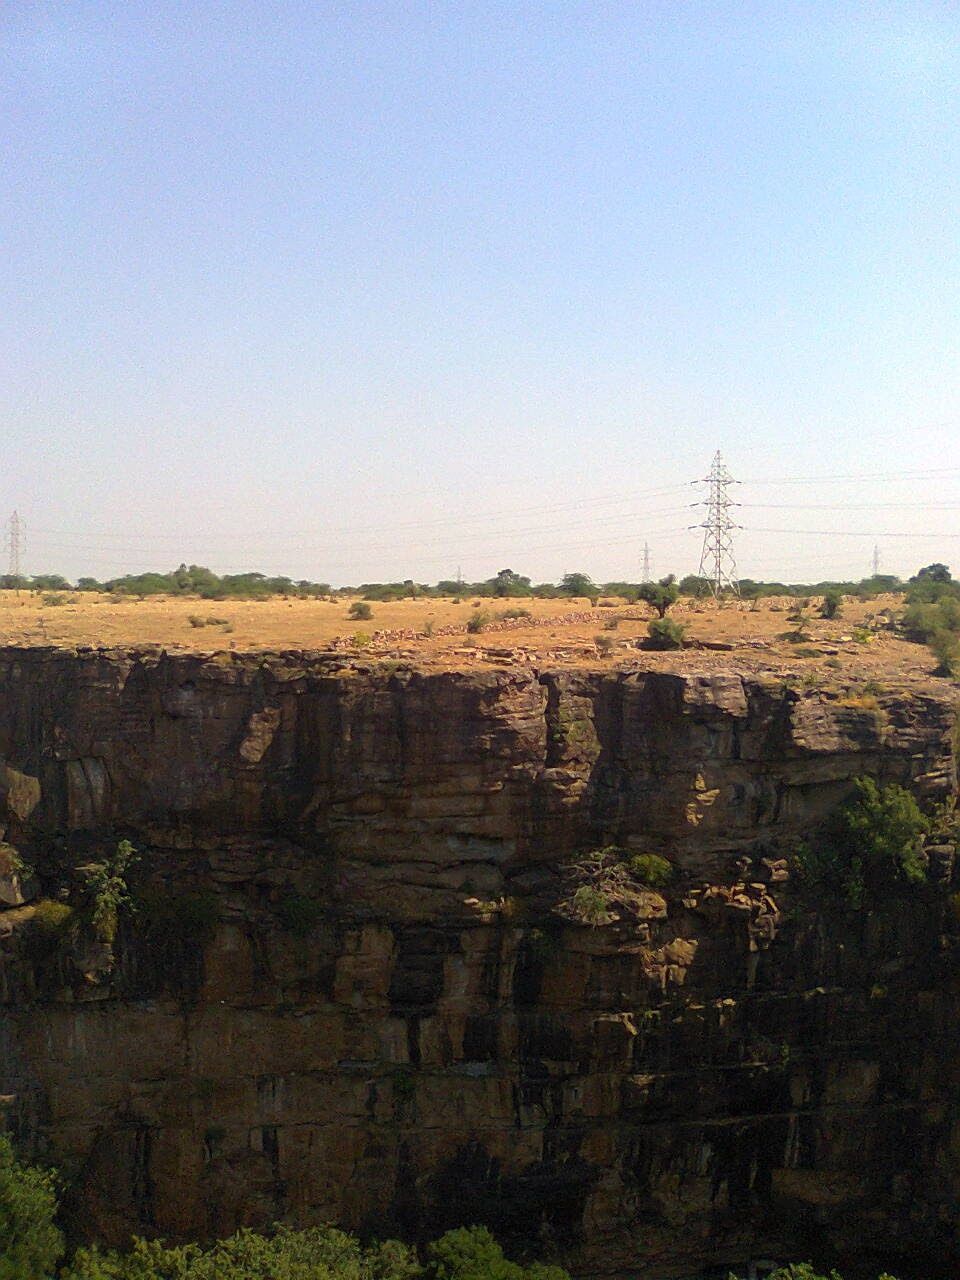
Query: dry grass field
[(858, 645)]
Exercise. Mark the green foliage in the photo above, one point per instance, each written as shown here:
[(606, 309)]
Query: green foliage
[(299, 914), (52, 917), (945, 647), (507, 584), (318, 1253), (51, 599), (477, 621), (472, 1253), (806, 1271), (832, 603), (664, 633), (31, 1244), (932, 583), (107, 885), (605, 884), (589, 905), (360, 611), (661, 595), (874, 841), (515, 613), (651, 869), (578, 584)]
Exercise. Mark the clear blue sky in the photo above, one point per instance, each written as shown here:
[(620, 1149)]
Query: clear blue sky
[(364, 291)]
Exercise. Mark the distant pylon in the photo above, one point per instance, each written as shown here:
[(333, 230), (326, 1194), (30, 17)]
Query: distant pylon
[(717, 563), (876, 560), (14, 543), (647, 573)]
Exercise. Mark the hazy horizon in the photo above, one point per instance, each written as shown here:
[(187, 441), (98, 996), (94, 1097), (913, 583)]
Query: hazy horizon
[(362, 293)]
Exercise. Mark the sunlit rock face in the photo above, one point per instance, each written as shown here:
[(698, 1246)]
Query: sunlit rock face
[(343, 992)]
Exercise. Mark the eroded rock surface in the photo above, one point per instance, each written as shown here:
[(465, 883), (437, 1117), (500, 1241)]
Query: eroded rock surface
[(345, 992)]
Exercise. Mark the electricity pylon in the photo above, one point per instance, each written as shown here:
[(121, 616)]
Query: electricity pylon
[(717, 563)]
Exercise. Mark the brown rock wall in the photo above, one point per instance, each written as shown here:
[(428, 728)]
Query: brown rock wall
[(381, 1021)]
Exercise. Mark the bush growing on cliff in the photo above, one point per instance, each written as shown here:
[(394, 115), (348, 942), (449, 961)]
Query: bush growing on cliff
[(107, 884), (31, 1244), (875, 840), (652, 870)]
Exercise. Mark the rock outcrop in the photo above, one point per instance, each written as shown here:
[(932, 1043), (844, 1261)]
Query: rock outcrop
[(343, 990)]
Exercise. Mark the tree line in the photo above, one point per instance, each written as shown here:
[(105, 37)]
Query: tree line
[(203, 583)]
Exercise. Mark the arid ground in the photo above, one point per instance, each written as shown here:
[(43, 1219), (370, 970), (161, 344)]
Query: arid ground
[(860, 644)]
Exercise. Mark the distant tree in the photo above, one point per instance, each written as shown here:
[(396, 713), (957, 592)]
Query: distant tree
[(578, 584), (508, 584), (933, 573), (692, 585), (660, 594)]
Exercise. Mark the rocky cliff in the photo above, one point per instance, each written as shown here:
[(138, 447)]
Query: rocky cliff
[(343, 992)]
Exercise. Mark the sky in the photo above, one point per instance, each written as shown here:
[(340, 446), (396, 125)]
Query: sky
[(372, 291)]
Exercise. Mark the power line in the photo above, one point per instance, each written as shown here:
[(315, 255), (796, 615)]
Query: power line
[(717, 561), (647, 573)]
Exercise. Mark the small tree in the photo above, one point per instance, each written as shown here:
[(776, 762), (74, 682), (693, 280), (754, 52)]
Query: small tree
[(660, 594), (360, 611), (31, 1244), (832, 603)]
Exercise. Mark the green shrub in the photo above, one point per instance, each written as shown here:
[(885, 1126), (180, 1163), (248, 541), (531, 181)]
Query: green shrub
[(604, 645), (31, 1244), (109, 891), (945, 647), (53, 598), (653, 870), (196, 621), (472, 1253), (589, 904), (832, 603), (515, 613), (664, 633), (875, 840), (360, 611), (361, 639), (51, 916), (477, 621)]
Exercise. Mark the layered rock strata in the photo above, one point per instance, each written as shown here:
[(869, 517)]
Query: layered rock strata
[(343, 990)]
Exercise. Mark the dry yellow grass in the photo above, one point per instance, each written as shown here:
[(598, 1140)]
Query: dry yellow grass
[(243, 625)]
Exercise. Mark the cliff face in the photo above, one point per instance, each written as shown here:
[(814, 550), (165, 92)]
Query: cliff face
[(344, 993)]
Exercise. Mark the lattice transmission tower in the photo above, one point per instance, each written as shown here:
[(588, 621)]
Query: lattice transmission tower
[(647, 575), (14, 545), (717, 563)]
